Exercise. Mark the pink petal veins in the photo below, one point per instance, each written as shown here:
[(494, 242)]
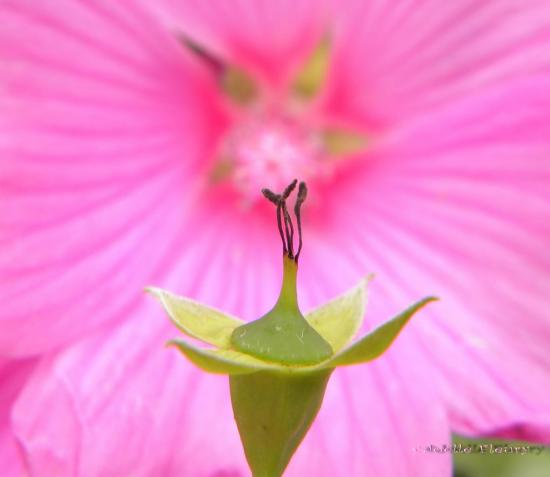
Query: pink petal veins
[(461, 208), (392, 62), (13, 375), (98, 164), (109, 132)]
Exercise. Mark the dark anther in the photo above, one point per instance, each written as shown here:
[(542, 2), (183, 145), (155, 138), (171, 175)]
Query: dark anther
[(271, 196), (278, 201), (289, 188), (284, 221), (300, 199)]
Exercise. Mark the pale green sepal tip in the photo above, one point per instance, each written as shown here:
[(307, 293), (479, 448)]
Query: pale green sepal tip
[(376, 343), (339, 320), (197, 320), (220, 361)]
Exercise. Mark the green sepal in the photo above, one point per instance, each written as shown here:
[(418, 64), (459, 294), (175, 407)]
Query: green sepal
[(197, 320), (220, 361), (336, 321), (376, 343), (339, 320), (273, 413)]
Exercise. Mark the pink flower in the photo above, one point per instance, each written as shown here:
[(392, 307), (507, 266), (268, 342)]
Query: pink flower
[(111, 133)]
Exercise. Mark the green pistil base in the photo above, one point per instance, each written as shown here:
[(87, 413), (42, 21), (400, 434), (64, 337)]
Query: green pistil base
[(283, 335)]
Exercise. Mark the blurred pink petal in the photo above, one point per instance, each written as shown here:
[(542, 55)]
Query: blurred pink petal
[(13, 375), (96, 163), (370, 425), (121, 414), (110, 131), (461, 207), (268, 38), (393, 61)]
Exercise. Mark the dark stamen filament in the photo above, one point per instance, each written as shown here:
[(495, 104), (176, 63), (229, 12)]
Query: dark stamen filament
[(289, 231), (283, 216), (289, 189), (280, 226)]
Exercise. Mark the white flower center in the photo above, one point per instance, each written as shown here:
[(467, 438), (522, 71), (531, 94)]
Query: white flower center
[(270, 151)]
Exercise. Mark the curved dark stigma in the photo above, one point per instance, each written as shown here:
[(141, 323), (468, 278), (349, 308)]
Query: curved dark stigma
[(300, 199), (289, 188), (284, 220)]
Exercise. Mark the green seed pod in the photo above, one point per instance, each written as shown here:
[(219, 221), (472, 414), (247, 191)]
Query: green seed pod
[(273, 412)]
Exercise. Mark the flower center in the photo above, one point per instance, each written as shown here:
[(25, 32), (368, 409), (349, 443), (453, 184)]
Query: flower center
[(269, 150)]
